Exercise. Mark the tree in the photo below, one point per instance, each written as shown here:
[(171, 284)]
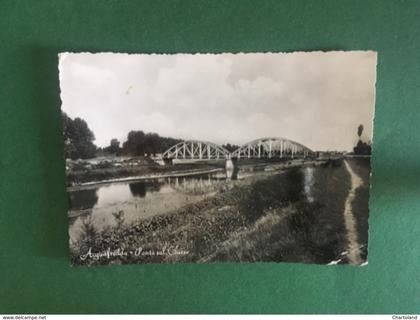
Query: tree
[(230, 147), (78, 138), (360, 130), (362, 148), (146, 144), (114, 147), (135, 143)]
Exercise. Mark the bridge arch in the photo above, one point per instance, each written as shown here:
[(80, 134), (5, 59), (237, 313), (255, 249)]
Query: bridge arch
[(197, 150), (271, 147)]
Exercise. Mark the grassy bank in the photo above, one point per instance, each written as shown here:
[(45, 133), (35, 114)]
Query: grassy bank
[(257, 219)]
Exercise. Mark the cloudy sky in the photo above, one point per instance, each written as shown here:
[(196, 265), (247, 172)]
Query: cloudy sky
[(315, 98)]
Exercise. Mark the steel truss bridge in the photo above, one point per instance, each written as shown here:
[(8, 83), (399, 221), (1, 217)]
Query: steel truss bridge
[(193, 149), (264, 148)]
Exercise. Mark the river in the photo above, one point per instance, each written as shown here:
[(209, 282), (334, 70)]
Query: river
[(108, 205)]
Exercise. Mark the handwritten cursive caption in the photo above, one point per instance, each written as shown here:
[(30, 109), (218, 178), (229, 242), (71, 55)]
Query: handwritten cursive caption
[(139, 252)]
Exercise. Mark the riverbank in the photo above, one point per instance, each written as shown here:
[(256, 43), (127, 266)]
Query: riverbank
[(145, 177), (86, 173), (294, 216)]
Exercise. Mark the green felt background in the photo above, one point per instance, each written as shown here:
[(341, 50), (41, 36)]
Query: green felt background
[(35, 274)]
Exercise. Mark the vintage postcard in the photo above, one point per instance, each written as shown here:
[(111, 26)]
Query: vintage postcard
[(202, 158)]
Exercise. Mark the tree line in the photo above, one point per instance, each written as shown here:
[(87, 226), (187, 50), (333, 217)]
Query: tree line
[(79, 142)]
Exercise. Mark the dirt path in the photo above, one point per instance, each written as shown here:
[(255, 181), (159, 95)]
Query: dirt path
[(353, 248)]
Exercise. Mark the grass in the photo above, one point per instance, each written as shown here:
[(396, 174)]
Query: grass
[(311, 232)]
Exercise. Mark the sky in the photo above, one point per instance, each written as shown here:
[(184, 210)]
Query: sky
[(315, 98)]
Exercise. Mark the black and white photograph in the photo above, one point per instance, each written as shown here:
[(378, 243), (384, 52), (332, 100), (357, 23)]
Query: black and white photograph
[(204, 158)]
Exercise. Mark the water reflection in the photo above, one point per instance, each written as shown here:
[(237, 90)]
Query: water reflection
[(232, 169), (83, 199), (138, 189)]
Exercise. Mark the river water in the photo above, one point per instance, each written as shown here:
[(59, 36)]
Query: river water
[(103, 204)]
